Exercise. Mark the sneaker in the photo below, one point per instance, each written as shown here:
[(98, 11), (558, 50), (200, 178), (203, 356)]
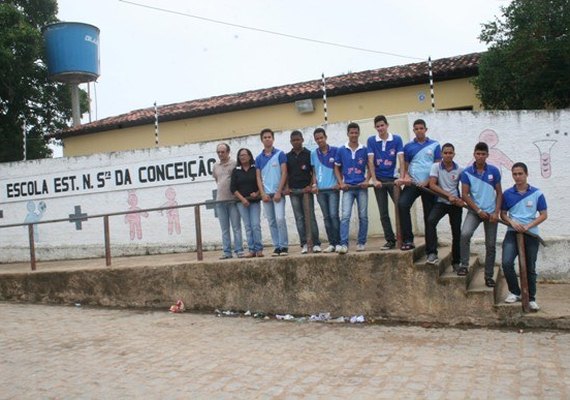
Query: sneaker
[(304, 249), (533, 306), (276, 252), (512, 298), (463, 270), (337, 248), (360, 247), (330, 249), (284, 251), (342, 249), (240, 255), (407, 246), (225, 256), (389, 245), (489, 282), (432, 259), (317, 249)]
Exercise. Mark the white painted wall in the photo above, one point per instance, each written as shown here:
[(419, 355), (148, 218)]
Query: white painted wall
[(520, 135)]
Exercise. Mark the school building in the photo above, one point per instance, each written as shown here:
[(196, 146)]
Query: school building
[(353, 96)]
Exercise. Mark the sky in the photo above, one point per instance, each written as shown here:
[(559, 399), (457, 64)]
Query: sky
[(147, 55)]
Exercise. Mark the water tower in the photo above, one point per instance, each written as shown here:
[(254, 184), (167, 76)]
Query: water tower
[(72, 57)]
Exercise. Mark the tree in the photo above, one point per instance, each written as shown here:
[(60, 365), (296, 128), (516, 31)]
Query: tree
[(27, 96), (527, 65)]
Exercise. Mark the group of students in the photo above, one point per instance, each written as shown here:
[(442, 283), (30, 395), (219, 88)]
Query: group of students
[(426, 170)]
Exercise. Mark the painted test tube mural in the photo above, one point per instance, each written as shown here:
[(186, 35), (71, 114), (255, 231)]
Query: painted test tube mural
[(544, 147)]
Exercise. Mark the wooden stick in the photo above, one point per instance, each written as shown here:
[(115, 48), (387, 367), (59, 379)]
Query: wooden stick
[(525, 297)]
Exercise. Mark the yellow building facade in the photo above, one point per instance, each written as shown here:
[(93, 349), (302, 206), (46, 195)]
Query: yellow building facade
[(349, 97)]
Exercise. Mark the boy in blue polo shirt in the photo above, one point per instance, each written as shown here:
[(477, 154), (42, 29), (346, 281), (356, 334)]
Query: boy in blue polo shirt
[(384, 150), (419, 156), (520, 205), (322, 160), (481, 190), (350, 170), (271, 170)]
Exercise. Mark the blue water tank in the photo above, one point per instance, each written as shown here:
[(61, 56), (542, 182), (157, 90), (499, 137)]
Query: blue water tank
[(72, 51)]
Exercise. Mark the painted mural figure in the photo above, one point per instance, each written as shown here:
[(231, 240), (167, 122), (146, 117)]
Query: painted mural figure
[(134, 220), (172, 215), (496, 156), (35, 216)]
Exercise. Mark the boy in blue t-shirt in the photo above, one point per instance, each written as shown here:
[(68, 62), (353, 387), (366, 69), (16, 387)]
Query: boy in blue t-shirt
[(520, 205), (271, 170), (481, 190), (384, 151), (350, 170), (419, 155), (325, 186)]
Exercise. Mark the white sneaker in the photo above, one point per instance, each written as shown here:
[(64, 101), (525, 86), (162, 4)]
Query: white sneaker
[(512, 298), (342, 250), (337, 248), (360, 247), (330, 249), (304, 249), (317, 249), (533, 306)]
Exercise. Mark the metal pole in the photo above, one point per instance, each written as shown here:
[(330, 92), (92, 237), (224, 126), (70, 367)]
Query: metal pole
[(396, 192), (430, 72), (107, 241), (32, 246), (199, 251), (525, 298), (308, 227)]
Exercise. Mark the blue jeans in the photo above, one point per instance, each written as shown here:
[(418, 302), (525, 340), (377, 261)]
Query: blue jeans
[(228, 214), (329, 202), (299, 212), (275, 214), (407, 198), (470, 224), (348, 197), (251, 221), (510, 252)]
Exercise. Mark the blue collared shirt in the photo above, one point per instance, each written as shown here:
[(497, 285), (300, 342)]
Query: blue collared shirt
[(522, 207), (482, 186), (352, 163)]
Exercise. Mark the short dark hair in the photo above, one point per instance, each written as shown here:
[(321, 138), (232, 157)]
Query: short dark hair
[(448, 145), (248, 153), (296, 133), (265, 130), (320, 130), (482, 146), (520, 165), (379, 118), (420, 122), (352, 125)]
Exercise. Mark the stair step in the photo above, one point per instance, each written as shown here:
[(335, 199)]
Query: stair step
[(477, 283)]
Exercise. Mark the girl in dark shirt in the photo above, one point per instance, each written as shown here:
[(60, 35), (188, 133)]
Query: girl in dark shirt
[(244, 187)]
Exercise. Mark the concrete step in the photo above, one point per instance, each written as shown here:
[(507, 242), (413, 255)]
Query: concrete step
[(477, 285)]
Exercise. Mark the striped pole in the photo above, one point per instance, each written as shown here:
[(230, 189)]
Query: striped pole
[(155, 125), (24, 137), (430, 72), (325, 99)]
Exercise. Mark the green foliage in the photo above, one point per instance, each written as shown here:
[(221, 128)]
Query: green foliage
[(26, 93), (527, 65)]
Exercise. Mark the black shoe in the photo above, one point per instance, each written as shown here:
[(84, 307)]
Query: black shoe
[(389, 245), (276, 252), (489, 282), (284, 251)]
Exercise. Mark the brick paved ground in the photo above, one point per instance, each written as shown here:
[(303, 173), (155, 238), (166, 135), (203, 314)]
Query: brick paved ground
[(66, 352)]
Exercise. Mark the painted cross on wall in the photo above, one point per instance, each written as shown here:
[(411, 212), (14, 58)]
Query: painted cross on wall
[(78, 217)]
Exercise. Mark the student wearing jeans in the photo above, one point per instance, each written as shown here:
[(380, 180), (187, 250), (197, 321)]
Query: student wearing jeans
[(481, 190), (520, 205), (271, 173), (351, 173), (299, 181), (384, 151), (444, 179), (326, 187), (244, 185)]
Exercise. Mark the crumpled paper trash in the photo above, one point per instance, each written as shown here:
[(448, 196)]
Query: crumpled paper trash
[(178, 307)]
